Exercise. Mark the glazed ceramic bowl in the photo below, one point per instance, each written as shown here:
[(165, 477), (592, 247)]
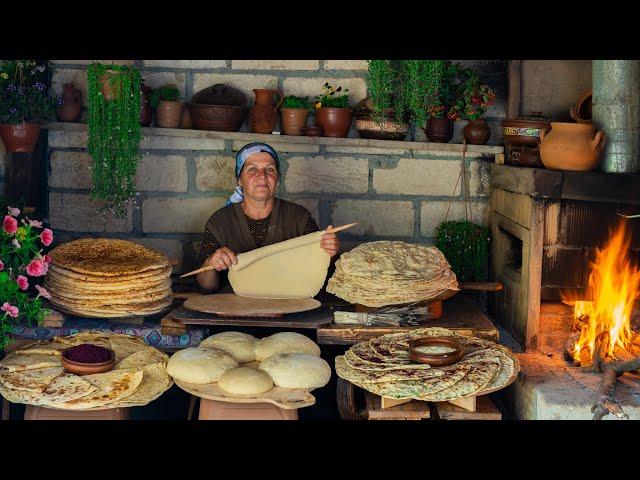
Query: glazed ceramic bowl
[(450, 357), (81, 368)]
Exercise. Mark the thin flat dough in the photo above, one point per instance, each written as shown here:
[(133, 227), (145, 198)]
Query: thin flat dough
[(295, 268)]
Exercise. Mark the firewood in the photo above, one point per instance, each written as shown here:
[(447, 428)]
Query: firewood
[(600, 350), (605, 402)]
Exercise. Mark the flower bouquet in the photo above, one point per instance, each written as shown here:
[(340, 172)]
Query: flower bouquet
[(21, 262)]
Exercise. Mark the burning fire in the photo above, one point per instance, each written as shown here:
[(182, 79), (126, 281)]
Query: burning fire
[(614, 286)]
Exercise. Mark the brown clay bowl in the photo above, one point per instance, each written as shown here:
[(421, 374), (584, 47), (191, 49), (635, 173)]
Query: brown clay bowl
[(80, 368), (221, 118), (311, 131), (436, 359)]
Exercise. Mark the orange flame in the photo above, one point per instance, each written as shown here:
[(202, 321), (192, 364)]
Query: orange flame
[(614, 286)]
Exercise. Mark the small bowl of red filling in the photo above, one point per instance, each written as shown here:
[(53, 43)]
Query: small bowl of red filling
[(87, 359)]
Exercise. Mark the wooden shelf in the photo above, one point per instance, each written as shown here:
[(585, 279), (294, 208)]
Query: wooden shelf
[(255, 137)]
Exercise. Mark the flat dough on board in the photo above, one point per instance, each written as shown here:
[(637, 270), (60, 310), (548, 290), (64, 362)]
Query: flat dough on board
[(295, 268)]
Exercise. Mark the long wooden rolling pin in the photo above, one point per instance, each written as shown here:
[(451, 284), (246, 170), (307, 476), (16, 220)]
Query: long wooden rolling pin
[(248, 258)]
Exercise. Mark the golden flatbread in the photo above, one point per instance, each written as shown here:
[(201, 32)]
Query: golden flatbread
[(140, 358), (106, 257), (112, 386), (155, 382), (88, 279), (18, 363), (34, 380), (50, 348)]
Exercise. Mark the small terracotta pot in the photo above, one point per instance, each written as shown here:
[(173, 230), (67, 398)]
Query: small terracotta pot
[(439, 130), (572, 146), (20, 138), (71, 106), (110, 89), (476, 132), (169, 113), (293, 119), (186, 118), (335, 122)]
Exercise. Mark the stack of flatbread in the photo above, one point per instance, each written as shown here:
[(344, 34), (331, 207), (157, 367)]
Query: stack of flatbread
[(34, 374), (383, 366), (382, 273), (102, 277)]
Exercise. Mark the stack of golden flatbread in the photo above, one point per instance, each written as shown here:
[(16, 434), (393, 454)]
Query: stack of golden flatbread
[(382, 273), (34, 374), (382, 366), (102, 277)]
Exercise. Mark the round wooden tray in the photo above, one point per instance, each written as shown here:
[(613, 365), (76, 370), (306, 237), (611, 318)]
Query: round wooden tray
[(285, 398), (230, 304)]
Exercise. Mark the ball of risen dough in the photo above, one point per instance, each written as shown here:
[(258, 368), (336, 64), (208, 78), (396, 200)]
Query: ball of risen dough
[(245, 381), (200, 365), (240, 346), (297, 370), (285, 342)]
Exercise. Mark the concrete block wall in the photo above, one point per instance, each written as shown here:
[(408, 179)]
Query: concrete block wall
[(394, 192)]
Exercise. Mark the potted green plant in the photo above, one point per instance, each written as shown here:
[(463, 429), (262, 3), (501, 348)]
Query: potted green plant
[(375, 115), (332, 111), (294, 111), (114, 135), (168, 106), (472, 102), (25, 103)]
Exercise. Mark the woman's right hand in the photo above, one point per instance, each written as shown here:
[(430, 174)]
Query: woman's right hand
[(221, 259)]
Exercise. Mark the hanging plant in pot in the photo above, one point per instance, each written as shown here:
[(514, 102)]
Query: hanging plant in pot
[(25, 103), (332, 111), (166, 101), (114, 135), (471, 105), (294, 111)]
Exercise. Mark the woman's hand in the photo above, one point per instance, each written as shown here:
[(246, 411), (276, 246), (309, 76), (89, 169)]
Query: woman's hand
[(330, 243), (221, 259)]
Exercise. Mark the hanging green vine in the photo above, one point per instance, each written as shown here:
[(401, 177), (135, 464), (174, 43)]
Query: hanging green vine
[(465, 245), (114, 133)]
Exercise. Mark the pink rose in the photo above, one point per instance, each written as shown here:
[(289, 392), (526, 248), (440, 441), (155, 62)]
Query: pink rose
[(23, 282), (14, 212), (42, 292), (46, 237), (47, 259), (10, 224), (37, 268), (10, 309), (35, 223), (1, 265), (45, 267)]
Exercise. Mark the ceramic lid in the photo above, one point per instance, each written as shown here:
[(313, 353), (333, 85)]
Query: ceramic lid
[(533, 120)]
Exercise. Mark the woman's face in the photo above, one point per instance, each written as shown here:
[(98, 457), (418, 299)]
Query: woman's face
[(259, 176)]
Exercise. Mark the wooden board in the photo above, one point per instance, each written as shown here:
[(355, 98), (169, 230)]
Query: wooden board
[(485, 410), (312, 319), (412, 410), (461, 314), (286, 398), (230, 304)]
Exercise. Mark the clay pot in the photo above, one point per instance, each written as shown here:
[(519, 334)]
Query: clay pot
[(582, 111), (21, 137), (145, 106), (572, 146), (222, 118), (264, 113), (293, 119), (111, 87), (185, 122), (335, 122), (439, 130), (476, 132), (312, 131), (71, 106), (385, 128), (169, 113)]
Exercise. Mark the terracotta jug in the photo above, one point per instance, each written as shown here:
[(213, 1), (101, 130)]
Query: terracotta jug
[(71, 107), (264, 113), (571, 146)]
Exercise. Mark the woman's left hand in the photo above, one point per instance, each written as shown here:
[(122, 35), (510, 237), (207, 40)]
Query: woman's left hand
[(330, 243)]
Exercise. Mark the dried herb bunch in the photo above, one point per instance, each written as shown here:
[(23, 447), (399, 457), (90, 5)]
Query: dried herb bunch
[(114, 134), (465, 245)]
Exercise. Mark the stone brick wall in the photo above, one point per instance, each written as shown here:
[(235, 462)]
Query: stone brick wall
[(394, 190)]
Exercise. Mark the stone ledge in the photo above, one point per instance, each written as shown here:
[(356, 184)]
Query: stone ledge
[(452, 148)]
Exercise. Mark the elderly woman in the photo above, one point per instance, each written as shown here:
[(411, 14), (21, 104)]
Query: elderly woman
[(253, 216)]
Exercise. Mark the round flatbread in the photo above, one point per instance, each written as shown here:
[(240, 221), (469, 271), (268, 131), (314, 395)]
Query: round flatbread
[(106, 257), (34, 380), (297, 370), (65, 275), (245, 381), (200, 365), (285, 342), (240, 346)]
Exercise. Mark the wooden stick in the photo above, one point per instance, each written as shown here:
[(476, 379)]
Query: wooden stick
[(211, 267), (605, 402)]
